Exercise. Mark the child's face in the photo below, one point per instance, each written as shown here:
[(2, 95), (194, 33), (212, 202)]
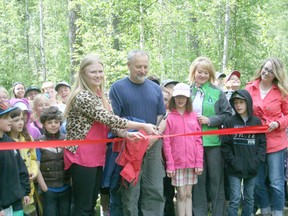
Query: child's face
[(5, 123), (19, 90), (17, 123), (52, 126), (166, 98), (40, 106), (64, 92), (50, 91), (3, 96), (31, 94), (240, 107), (180, 101)]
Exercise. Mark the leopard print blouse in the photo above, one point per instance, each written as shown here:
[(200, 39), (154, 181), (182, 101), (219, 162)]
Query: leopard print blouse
[(85, 109)]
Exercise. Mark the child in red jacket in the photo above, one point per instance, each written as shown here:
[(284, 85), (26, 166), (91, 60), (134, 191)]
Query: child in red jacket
[(183, 154)]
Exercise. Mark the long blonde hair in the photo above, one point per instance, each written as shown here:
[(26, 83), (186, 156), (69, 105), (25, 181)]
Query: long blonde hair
[(204, 63), (80, 83), (279, 70)]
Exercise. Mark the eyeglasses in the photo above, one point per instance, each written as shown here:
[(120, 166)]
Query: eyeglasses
[(268, 70)]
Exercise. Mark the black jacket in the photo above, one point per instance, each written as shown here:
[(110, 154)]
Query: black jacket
[(14, 177), (243, 152)]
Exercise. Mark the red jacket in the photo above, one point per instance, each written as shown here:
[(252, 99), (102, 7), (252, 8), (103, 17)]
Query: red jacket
[(274, 107), (131, 157)]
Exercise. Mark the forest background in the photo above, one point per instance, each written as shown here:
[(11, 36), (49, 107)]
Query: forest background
[(43, 40)]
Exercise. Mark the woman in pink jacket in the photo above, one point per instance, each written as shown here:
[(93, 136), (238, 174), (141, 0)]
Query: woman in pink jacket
[(184, 154), (269, 90)]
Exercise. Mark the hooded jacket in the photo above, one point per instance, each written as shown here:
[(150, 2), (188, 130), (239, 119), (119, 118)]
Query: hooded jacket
[(182, 151), (23, 104), (14, 178), (243, 152)]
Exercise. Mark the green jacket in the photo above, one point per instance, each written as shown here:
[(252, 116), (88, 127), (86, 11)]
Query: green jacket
[(216, 107)]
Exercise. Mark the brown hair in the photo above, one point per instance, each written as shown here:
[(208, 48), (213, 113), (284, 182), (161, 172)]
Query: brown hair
[(15, 113), (172, 104)]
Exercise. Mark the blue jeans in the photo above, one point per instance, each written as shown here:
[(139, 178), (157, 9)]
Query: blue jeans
[(115, 198), (235, 196), (57, 203), (272, 197)]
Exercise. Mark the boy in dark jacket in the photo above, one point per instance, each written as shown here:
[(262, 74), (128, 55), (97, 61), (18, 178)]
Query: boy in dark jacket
[(14, 178), (242, 153), (57, 199)]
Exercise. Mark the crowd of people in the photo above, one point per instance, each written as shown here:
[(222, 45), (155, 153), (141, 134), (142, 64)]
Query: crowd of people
[(151, 167)]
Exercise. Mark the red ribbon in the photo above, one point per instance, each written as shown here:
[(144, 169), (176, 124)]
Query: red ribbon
[(63, 143)]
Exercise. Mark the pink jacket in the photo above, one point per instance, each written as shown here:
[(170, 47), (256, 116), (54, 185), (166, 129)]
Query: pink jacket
[(182, 151), (274, 107)]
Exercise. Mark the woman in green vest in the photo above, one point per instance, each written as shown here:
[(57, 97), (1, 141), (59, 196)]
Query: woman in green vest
[(212, 107)]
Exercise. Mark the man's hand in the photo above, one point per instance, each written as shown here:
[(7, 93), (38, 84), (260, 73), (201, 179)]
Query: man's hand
[(150, 129), (152, 141)]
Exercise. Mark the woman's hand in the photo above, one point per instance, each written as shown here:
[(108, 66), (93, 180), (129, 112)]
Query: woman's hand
[(170, 174), (134, 136), (272, 126), (203, 119)]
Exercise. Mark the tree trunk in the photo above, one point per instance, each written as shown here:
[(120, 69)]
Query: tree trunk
[(115, 23), (142, 40), (73, 16), (43, 60), (226, 36), (27, 28)]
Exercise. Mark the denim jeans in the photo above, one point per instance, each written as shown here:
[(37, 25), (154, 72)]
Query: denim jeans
[(57, 203), (271, 197), (115, 198), (235, 196)]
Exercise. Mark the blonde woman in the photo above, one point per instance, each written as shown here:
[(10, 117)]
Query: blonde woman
[(212, 107), (89, 116), (269, 90)]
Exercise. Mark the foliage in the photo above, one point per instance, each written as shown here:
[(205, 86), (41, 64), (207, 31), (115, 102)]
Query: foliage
[(175, 33)]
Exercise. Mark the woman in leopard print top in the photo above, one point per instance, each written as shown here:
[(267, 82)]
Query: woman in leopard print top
[(89, 116)]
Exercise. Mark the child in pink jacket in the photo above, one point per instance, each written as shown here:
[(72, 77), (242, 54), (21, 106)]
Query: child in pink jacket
[(183, 154)]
